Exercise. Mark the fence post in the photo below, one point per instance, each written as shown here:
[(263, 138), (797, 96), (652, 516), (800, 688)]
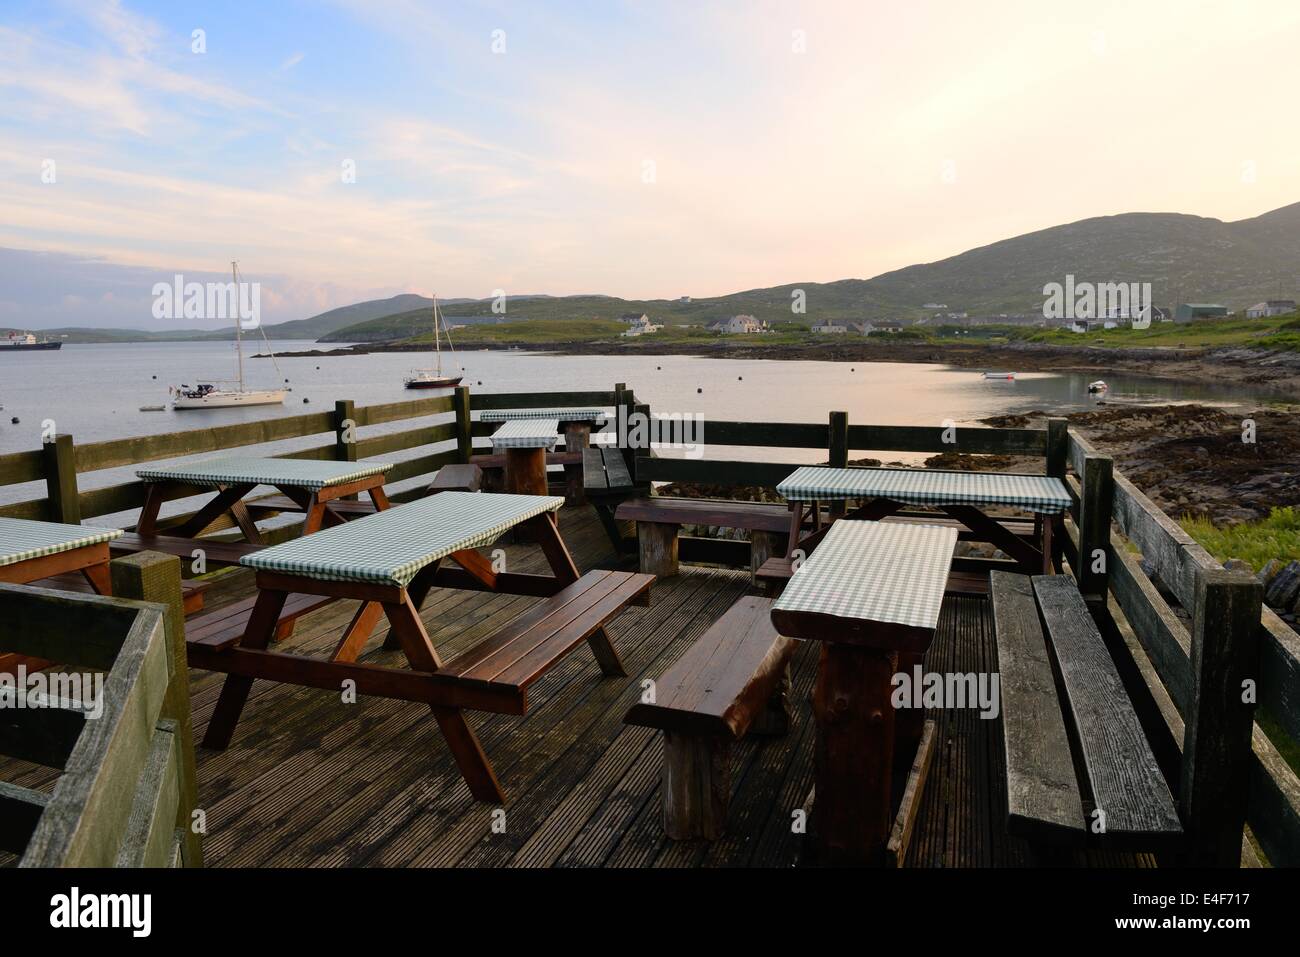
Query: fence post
[(345, 450), (60, 464), (464, 428), (1096, 500), (155, 577), (1058, 446), (640, 409), (1220, 716), (838, 451)]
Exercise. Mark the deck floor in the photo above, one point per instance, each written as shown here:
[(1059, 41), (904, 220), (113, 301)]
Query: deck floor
[(312, 781)]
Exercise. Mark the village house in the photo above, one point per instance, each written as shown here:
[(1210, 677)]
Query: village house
[(739, 325), (1191, 311), (835, 327), (888, 327), (1272, 307), (640, 326)]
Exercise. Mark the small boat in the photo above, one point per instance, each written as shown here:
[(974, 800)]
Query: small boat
[(1097, 386), (999, 375), (206, 395), (434, 378), (23, 342)]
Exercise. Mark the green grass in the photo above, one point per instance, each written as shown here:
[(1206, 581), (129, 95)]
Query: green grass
[(1277, 536), (1280, 332)]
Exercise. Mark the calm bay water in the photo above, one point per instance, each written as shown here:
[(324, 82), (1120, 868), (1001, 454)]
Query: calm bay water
[(95, 392)]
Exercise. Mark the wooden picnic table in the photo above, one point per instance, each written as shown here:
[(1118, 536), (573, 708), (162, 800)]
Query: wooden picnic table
[(32, 550), (389, 561), (576, 424), (525, 443), (963, 496), (871, 593), (311, 484)]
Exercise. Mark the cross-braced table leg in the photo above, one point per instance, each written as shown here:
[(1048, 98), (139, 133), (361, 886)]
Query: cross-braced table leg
[(234, 693)]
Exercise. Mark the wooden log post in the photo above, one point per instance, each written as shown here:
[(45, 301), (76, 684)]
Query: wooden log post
[(641, 448), (1058, 446), (577, 437), (155, 577), (1220, 716), (60, 464), (345, 433), (838, 451), (1096, 501), (464, 428), (657, 548), (696, 786)]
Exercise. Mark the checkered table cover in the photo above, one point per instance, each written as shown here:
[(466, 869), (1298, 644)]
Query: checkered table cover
[(22, 539), (527, 434), (1035, 493), (875, 571), (594, 416), (389, 547), (300, 473)]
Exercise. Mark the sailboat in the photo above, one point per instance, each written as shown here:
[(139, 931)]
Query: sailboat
[(206, 395), (433, 378)]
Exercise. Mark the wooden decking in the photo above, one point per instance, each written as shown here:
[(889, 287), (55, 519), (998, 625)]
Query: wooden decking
[(312, 781)]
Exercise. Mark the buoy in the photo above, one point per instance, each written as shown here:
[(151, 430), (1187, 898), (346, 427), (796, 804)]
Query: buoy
[(318, 368), (304, 400), (155, 377), (659, 367), (698, 391), (740, 378), (286, 381), (14, 420)]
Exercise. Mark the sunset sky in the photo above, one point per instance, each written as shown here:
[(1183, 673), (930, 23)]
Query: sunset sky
[(637, 149)]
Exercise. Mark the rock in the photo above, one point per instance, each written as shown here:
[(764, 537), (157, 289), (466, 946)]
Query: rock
[(1285, 587), (1271, 568)]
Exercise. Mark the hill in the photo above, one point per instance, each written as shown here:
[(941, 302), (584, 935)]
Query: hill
[(1185, 258)]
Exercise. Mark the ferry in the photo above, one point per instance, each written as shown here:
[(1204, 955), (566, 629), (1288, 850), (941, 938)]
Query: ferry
[(23, 342)]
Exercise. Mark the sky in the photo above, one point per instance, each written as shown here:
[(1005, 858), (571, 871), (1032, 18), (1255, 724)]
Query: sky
[(355, 149)]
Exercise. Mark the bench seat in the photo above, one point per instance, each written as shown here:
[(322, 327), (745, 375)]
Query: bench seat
[(521, 652), (1079, 769), (191, 590), (732, 680), (223, 628), (216, 553)]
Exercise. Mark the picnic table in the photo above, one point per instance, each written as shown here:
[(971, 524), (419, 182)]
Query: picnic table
[(525, 443), (576, 424), (32, 550), (310, 484), (871, 593), (388, 562), (960, 495)]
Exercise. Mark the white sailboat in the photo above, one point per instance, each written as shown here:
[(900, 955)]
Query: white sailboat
[(206, 395), (433, 378)]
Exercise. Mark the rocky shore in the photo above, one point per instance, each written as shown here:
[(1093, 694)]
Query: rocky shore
[(1277, 372)]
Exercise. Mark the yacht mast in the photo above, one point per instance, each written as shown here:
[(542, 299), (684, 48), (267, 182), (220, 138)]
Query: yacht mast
[(437, 339), (239, 342)]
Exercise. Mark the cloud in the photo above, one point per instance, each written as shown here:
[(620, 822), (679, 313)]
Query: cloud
[(292, 61)]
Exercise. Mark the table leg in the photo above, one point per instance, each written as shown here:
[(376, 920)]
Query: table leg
[(147, 523), (405, 622), (234, 693), (99, 577), (796, 526), (853, 759), (216, 506), (379, 497), (545, 530), (1046, 542), (526, 471)]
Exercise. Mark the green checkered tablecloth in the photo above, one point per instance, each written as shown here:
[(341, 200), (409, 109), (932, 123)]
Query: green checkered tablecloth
[(22, 539), (594, 416), (389, 547), (1035, 493), (875, 571), (526, 434), (233, 470)]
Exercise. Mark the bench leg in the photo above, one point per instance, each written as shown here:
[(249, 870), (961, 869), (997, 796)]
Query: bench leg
[(657, 548), (234, 693), (775, 718), (696, 786), (762, 546)]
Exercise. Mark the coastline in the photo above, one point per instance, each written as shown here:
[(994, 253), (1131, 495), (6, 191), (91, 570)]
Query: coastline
[(1273, 372)]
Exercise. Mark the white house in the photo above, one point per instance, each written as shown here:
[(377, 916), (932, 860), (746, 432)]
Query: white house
[(877, 325), (634, 319), (834, 327), (1273, 307), (642, 326), (739, 325)]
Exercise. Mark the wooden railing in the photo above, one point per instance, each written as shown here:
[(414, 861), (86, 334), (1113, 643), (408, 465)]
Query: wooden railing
[(127, 792), (1197, 638), (61, 463)]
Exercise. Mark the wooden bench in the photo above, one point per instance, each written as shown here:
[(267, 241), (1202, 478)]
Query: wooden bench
[(606, 482), (1079, 769), (215, 552), (733, 679), (191, 590), (457, 478), (223, 628)]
